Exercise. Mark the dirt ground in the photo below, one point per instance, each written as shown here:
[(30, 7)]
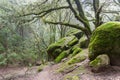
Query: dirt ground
[(48, 73), (25, 73)]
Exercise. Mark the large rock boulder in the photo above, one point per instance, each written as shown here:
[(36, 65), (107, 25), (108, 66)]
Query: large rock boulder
[(106, 40)]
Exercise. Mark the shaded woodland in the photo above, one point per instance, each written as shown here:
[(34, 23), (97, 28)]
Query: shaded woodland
[(36, 32)]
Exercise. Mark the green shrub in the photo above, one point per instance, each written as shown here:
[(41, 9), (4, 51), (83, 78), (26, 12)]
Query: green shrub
[(3, 60)]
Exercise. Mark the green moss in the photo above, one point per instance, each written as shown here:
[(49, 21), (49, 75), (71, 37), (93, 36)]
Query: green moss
[(95, 62), (63, 44), (72, 32), (74, 48), (65, 68), (57, 52), (73, 42), (100, 61), (40, 68), (61, 56), (56, 45), (105, 39), (77, 58), (75, 78), (2, 49), (76, 51)]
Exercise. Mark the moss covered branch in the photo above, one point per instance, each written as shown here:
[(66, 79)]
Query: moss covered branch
[(67, 24), (44, 12)]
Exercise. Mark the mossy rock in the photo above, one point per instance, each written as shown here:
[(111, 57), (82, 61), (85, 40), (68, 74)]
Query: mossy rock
[(73, 42), (61, 45), (56, 52), (84, 43), (61, 56), (100, 61), (75, 50), (81, 56), (75, 32), (40, 68), (106, 39), (56, 45)]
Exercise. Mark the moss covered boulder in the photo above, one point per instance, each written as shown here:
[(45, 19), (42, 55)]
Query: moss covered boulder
[(106, 39), (79, 57), (64, 44), (61, 56), (100, 62), (77, 33)]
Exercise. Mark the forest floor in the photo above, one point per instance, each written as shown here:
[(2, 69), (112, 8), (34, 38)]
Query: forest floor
[(50, 72)]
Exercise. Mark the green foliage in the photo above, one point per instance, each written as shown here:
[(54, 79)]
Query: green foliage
[(29, 58), (13, 58), (2, 49), (3, 60)]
